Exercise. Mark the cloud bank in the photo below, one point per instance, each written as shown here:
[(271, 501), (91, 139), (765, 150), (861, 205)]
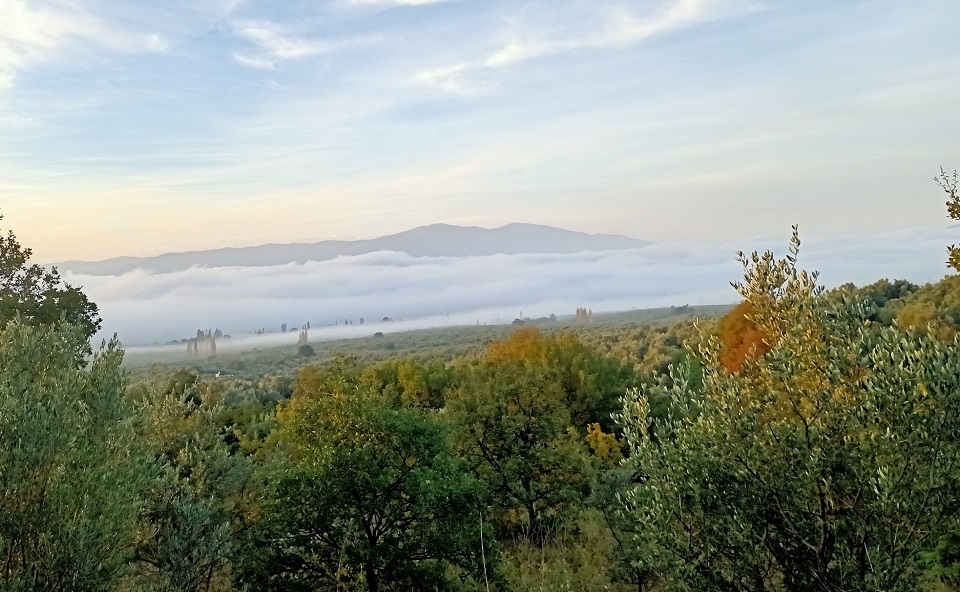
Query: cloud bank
[(145, 308)]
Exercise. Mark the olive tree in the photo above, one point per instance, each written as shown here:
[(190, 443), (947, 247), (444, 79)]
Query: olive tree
[(831, 462), (71, 474)]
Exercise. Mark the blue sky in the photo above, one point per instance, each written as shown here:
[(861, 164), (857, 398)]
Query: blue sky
[(145, 127)]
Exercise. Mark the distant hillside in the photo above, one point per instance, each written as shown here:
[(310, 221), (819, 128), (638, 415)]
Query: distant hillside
[(436, 240)]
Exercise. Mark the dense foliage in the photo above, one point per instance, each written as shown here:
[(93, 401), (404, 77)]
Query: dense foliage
[(369, 495), (807, 440), (72, 474), (829, 463), (38, 296)]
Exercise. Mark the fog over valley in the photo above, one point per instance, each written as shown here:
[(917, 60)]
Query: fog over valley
[(147, 308)]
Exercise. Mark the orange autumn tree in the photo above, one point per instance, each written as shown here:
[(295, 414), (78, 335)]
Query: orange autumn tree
[(740, 337)]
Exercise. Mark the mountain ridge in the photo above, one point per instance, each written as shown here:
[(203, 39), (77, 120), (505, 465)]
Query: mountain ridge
[(434, 240)]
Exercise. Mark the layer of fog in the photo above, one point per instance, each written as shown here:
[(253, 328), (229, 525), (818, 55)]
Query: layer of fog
[(144, 308)]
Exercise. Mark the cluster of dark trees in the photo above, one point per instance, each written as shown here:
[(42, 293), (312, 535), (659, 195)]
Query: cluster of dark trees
[(204, 343), (809, 440)]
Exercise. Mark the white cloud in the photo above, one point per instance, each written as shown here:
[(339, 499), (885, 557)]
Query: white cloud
[(221, 8), (619, 27), (260, 63), (275, 42), (452, 79), (29, 35), (154, 42), (32, 36), (12, 121), (515, 52), (395, 2)]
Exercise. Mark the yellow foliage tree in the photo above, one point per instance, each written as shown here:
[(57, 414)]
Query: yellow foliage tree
[(606, 447), (524, 345)]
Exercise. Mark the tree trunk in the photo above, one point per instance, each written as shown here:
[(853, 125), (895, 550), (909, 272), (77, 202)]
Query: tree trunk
[(373, 585)]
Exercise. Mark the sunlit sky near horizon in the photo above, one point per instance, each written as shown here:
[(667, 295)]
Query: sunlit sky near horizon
[(136, 128)]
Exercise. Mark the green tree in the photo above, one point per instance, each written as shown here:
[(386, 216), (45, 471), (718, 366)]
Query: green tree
[(72, 473), (831, 463), (883, 295), (195, 507), (411, 383), (591, 384), (512, 425), (372, 498), (38, 296)]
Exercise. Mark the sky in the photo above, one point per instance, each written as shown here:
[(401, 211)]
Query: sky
[(137, 128)]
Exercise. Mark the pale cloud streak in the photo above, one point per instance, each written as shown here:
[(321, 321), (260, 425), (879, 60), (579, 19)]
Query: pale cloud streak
[(627, 28), (619, 28), (275, 42), (154, 42), (30, 35), (453, 79), (388, 3), (13, 121)]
